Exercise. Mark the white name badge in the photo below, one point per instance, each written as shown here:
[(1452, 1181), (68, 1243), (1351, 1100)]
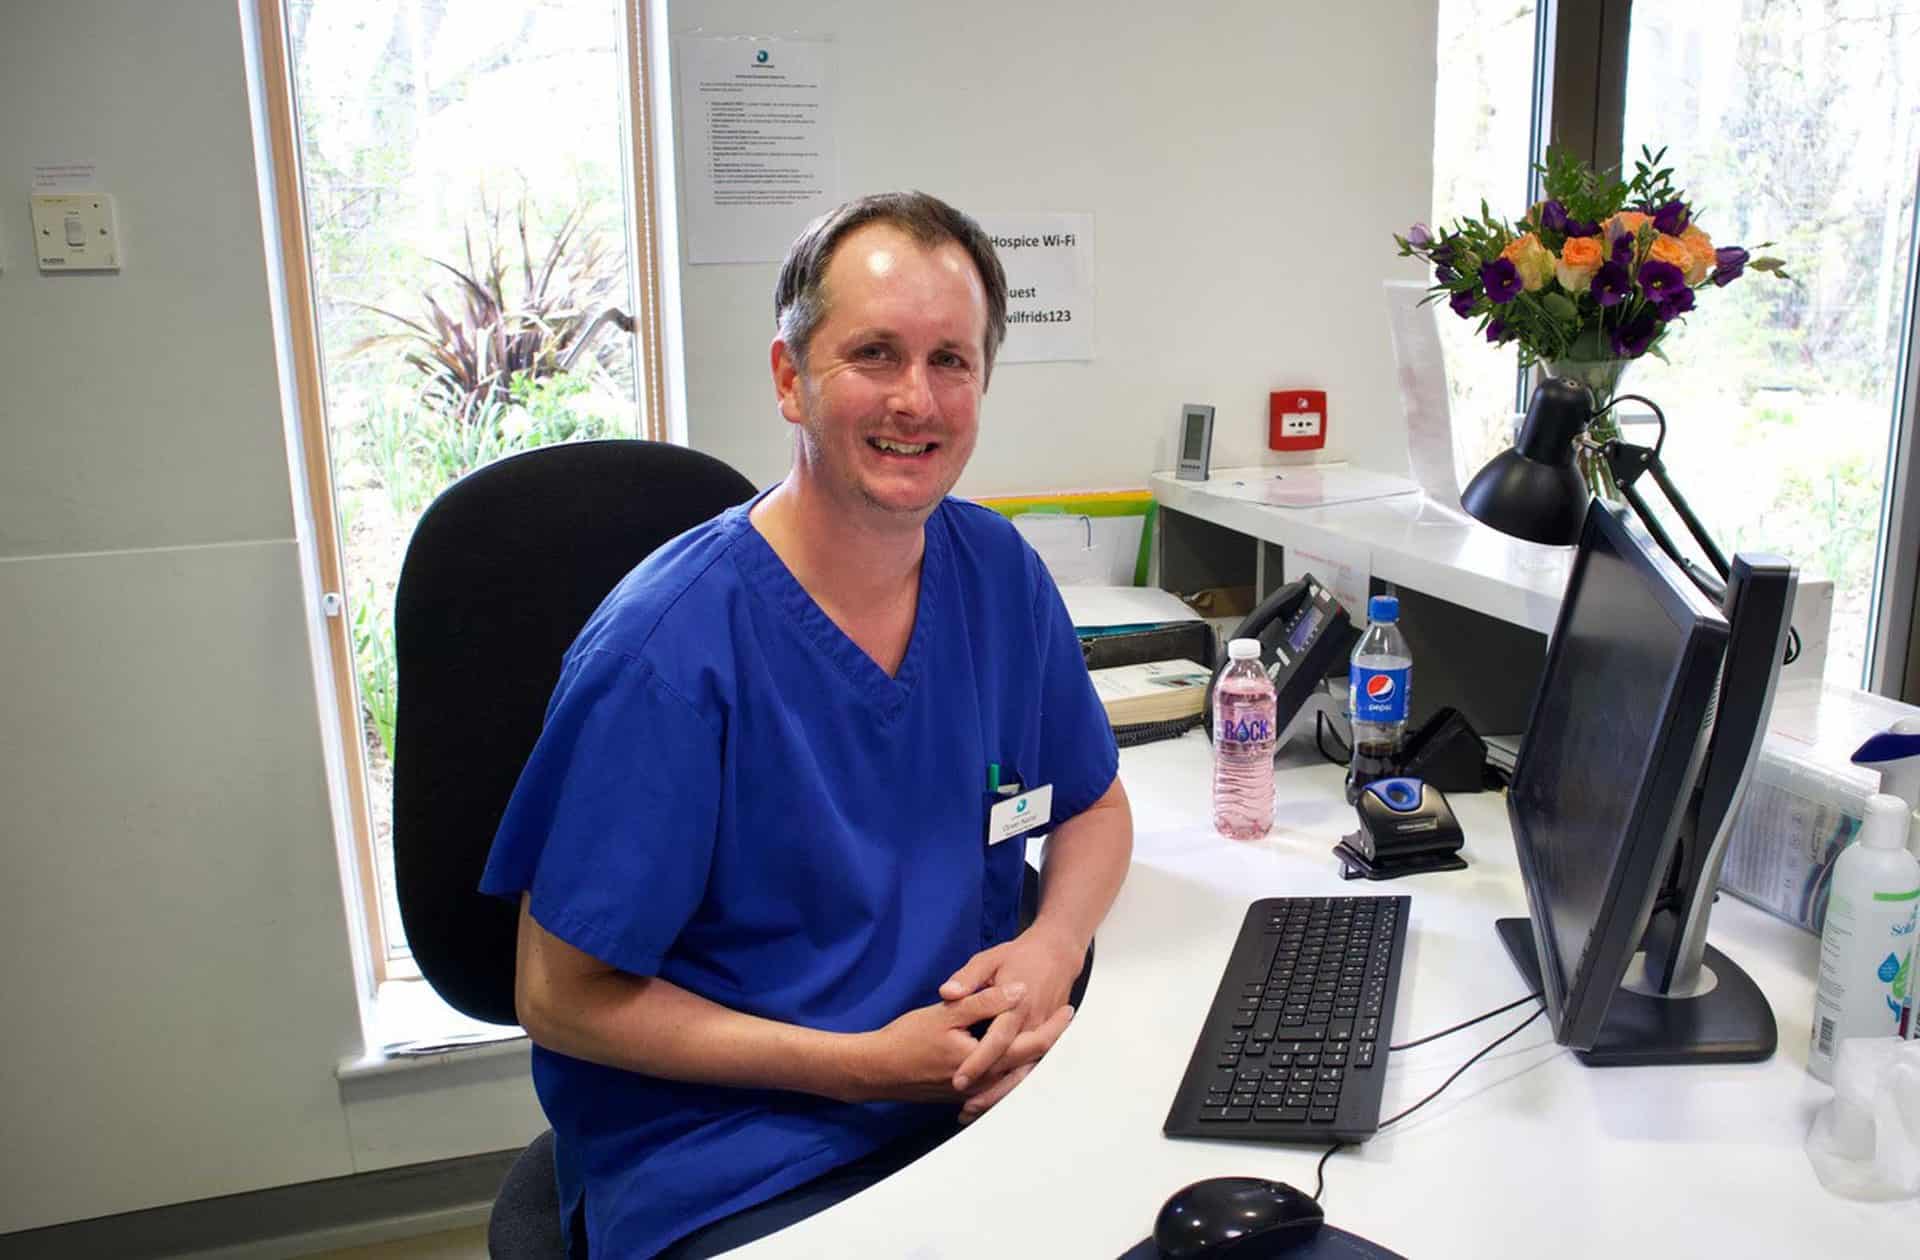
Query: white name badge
[(1017, 815)]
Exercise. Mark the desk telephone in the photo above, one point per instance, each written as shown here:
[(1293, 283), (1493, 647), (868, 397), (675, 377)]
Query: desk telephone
[(1304, 634)]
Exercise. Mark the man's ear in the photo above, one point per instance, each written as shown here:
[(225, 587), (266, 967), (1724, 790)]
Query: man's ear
[(786, 381)]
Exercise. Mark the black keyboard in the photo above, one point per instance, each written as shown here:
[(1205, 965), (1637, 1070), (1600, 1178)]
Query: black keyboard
[(1294, 1048)]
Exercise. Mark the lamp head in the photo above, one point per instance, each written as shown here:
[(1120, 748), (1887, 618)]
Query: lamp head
[(1534, 490)]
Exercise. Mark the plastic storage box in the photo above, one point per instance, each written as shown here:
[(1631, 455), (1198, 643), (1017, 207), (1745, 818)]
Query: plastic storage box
[(1806, 799)]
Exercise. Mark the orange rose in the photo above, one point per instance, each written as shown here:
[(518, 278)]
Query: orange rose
[(1580, 257), (1668, 249), (1699, 247), (1531, 259)]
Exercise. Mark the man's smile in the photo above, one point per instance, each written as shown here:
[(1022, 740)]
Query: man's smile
[(888, 446)]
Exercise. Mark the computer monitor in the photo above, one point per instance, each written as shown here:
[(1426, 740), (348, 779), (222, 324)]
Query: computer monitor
[(1613, 833)]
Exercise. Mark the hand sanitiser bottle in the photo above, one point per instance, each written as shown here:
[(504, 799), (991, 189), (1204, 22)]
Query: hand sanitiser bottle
[(1866, 948)]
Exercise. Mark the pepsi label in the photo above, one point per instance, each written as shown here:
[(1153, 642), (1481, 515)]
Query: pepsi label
[(1379, 695)]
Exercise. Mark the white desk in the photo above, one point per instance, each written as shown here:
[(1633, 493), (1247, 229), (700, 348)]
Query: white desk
[(1530, 1153)]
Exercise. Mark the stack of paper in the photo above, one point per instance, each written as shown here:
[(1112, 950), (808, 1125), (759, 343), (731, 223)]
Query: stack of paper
[(1156, 691)]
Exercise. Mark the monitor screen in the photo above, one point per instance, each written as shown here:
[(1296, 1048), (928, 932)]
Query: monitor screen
[(1610, 754)]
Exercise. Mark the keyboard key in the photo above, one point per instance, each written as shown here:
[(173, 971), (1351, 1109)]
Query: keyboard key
[(1323, 1115), (1275, 1115), (1292, 1115), (1211, 1114), (1242, 1099), (1340, 1030), (1363, 1056)]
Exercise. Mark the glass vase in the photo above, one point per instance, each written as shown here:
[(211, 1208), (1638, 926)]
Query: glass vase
[(1602, 377)]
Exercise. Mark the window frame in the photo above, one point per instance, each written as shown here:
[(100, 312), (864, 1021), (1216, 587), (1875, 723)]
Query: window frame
[(341, 705)]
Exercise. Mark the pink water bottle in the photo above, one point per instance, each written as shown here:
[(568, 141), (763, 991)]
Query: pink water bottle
[(1243, 736)]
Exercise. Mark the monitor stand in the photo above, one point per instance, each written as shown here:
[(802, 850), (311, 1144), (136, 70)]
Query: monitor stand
[(1728, 1022)]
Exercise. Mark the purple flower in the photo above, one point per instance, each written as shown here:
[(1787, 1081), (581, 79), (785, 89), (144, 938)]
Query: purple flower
[(1496, 330), (1553, 216), (1442, 254), (1445, 275), (1659, 280), (1581, 227), (1632, 338), (1611, 284), (1417, 235), (1502, 280), (1623, 248), (1672, 218), (1674, 303), (1462, 303), (1728, 264)]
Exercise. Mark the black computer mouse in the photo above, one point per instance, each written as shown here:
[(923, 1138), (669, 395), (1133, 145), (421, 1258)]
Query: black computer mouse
[(1235, 1218)]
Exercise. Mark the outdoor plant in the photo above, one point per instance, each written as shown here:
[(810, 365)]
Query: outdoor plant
[(536, 315), (373, 655)]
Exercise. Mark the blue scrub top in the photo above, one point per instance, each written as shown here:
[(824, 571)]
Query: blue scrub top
[(730, 794)]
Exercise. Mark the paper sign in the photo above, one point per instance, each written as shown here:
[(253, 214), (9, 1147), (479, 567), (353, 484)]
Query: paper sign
[(1343, 566), (60, 177), (1423, 390), (1049, 264), (761, 153)]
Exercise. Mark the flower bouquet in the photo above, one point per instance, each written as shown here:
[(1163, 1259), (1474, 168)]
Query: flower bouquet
[(1588, 281)]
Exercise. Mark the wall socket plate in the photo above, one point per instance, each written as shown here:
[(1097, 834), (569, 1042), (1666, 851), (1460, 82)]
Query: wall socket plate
[(76, 232)]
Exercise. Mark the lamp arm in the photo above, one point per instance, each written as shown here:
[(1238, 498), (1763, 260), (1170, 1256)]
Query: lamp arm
[(1628, 461), (1714, 587)]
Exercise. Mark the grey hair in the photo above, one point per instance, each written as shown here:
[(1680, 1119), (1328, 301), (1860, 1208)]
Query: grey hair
[(799, 296)]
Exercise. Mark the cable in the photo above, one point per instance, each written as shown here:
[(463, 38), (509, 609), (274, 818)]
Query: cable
[(1320, 1171), (1421, 1041), (1320, 723), (1484, 1052)]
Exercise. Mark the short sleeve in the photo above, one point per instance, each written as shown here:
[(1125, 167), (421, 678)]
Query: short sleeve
[(612, 824), (1078, 753)]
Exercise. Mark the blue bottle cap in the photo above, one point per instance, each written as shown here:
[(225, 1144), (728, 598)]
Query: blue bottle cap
[(1383, 608)]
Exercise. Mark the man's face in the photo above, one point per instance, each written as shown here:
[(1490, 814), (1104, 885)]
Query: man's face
[(888, 406)]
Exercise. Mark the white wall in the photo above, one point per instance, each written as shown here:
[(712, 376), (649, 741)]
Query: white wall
[(179, 985), (1245, 164)]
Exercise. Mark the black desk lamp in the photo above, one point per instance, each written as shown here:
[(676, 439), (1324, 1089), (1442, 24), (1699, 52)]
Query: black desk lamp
[(1534, 489)]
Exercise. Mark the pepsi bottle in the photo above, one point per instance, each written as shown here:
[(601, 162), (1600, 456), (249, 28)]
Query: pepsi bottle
[(1379, 685)]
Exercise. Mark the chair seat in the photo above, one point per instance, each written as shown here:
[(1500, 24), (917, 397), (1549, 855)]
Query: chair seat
[(526, 1212)]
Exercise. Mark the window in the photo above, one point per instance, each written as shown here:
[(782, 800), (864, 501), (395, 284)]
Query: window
[(1793, 121), (460, 189), (1482, 146)]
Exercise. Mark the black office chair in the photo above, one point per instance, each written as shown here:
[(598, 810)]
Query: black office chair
[(503, 570)]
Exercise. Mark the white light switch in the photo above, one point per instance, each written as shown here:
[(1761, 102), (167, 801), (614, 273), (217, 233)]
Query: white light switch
[(76, 232)]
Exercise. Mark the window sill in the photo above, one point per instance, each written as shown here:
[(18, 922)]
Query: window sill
[(413, 1030)]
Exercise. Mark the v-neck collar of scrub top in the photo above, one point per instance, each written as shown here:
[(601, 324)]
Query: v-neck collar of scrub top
[(769, 577)]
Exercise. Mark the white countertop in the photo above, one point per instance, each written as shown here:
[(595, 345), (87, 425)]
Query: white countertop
[(1438, 550), (1529, 1153)]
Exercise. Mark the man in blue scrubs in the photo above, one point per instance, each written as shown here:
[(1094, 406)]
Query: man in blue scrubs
[(769, 848)]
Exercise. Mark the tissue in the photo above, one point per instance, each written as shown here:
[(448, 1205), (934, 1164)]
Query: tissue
[(1865, 1144)]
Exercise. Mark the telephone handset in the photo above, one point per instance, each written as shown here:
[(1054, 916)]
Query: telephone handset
[(1304, 632)]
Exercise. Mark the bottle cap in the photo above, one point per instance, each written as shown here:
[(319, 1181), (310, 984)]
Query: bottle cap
[(1885, 826), (1383, 608), (1243, 650)]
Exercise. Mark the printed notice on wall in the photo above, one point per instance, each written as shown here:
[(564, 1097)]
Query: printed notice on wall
[(758, 130), (1049, 264)]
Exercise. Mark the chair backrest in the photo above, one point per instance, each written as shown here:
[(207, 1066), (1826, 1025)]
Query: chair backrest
[(503, 570)]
